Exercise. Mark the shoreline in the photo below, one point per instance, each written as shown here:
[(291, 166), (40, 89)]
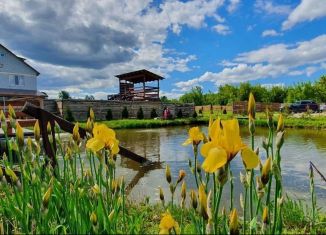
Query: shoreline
[(295, 123)]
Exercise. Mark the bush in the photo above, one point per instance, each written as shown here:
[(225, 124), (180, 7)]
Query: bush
[(125, 113), (179, 114), (153, 113), (194, 115), (140, 113), (69, 116), (108, 115)]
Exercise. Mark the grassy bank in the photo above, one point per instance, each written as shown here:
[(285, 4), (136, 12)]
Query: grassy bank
[(153, 123), (318, 122), (296, 218)]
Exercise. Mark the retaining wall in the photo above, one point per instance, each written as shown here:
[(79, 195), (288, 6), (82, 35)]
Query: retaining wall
[(79, 108)]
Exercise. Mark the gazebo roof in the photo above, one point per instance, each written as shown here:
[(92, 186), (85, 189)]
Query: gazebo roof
[(139, 75)]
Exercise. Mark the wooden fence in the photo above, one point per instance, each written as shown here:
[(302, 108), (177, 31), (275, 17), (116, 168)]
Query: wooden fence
[(239, 107)]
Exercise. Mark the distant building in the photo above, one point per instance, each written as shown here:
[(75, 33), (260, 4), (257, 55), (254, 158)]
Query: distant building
[(138, 85), (18, 80)]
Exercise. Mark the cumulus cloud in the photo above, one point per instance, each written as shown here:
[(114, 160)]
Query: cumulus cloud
[(83, 44), (233, 5), (270, 33), (307, 10), (222, 29), (268, 7), (305, 57)]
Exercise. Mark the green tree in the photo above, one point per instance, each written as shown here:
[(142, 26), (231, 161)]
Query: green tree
[(125, 113), (64, 95), (109, 115), (89, 97), (227, 94), (277, 94), (140, 113), (244, 91), (194, 96), (321, 89)]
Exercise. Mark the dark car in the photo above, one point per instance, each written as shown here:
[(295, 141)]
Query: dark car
[(303, 106)]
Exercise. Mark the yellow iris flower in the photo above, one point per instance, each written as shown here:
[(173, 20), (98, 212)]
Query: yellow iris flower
[(224, 145), (168, 224), (103, 137), (195, 136)]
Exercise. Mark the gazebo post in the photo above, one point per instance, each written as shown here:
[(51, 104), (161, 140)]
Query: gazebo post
[(144, 88), (158, 88)]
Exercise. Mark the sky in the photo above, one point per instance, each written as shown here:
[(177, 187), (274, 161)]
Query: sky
[(80, 45)]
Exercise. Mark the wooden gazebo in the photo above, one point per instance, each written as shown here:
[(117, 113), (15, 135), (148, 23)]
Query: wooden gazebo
[(138, 85)]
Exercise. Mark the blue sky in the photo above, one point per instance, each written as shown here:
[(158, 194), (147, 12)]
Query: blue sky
[(79, 46)]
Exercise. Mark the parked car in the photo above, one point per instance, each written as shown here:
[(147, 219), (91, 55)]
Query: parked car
[(322, 107), (303, 106)]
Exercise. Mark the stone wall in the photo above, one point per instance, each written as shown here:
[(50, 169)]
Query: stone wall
[(79, 108)]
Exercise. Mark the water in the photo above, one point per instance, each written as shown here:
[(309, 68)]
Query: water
[(165, 145)]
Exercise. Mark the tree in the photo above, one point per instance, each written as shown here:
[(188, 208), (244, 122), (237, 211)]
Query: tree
[(64, 95), (277, 94), (194, 96), (69, 116), (89, 97), (321, 89), (164, 99), (140, 113), (108, 115), (125, 113), (244, 91), (154, 113), (227, 94)]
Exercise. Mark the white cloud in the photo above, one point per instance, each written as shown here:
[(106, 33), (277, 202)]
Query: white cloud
[(82, 44), (272, 61), (271, 85), (307, 10), (222, 29), (170, 95), (270, 33), (268, 7), (233, 5), (251, 27)]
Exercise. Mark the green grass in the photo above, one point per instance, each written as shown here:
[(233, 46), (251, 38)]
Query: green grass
[(295, 217), (152, 123), (307, 121)]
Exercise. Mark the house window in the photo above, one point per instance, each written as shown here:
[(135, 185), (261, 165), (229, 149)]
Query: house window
[(16, 80)]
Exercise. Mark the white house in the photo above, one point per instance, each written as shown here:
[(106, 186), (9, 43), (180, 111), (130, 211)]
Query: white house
[(17, 78)]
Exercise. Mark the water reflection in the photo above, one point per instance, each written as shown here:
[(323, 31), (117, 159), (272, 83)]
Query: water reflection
[(164, 145)]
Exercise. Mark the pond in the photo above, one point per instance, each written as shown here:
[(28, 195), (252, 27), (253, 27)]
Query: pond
[(165, 145)]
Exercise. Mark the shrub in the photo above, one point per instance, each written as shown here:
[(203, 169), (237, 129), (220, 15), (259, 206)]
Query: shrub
[(69, 116), (153, 113), (108, 115), (140, 113), (179, 114), (194, 115), (125, 113)]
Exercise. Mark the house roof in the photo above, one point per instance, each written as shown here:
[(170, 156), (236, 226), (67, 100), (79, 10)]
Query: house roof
[(21, 93), (21, 59), (139, 76)]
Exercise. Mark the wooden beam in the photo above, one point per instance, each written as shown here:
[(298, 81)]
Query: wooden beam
[(45, 117)]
